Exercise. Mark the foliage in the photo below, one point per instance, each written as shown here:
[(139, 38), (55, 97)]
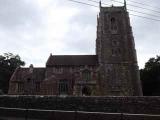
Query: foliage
[(150, 77), (1, 92), (8, 63)]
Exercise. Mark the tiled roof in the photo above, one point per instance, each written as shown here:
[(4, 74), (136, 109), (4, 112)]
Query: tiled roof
[(22, 74), (72, 60)]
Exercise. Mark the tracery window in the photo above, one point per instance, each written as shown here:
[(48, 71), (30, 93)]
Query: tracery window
[(20, 87), (63, 87), (86, 75)]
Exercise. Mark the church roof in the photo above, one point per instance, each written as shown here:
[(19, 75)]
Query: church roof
[(72, 60), (21, 74)]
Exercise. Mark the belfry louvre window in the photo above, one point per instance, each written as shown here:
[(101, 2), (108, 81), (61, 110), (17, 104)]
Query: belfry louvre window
[(63, 87), (86, 75), (114, 27)]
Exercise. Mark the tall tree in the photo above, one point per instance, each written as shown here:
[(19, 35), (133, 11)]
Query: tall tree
[(8, 63), (150, 77)]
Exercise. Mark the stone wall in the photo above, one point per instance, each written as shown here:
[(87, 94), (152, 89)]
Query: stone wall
[(132, 105), (32, 114)]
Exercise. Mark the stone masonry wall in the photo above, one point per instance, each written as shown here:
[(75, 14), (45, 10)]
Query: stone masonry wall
[(32, 114), (133, 105)]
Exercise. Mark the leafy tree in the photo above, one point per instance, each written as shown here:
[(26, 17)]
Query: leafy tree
[(1, 92), (150, 77), (8, 63)]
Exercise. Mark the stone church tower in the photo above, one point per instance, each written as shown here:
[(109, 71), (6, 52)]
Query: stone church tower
[(116, 52)]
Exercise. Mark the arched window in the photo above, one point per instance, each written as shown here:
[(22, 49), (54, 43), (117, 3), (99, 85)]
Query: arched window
[(114, 27), (113, 20), (86, 75), (63, 87), (20, 87)]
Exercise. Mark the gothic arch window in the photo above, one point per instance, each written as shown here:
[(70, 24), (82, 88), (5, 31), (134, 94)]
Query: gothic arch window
[(63, 87), (114, 27), (20, 87), (86, 75), (113, 20)]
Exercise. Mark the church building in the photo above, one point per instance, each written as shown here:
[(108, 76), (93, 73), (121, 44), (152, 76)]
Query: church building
[(112, 71)]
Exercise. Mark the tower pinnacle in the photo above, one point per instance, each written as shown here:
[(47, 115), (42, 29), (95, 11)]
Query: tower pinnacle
[(125, 6), (100, 4)]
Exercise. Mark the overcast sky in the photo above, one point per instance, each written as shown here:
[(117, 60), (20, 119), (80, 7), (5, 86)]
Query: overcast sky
[(35, 28)]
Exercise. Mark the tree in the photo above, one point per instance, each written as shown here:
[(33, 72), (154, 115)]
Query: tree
[(8, 63), (150, 77)]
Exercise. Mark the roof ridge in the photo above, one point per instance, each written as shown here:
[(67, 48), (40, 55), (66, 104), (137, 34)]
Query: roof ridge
[(73, 60), (75, 55)]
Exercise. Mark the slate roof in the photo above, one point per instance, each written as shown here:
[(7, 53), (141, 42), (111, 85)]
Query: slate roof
[(22, 74), (72, 60)]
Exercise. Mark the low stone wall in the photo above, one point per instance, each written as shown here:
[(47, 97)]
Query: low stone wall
[(32, 114), (132, 105)]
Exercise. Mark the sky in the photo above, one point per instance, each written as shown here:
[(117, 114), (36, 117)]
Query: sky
[(35, 28)]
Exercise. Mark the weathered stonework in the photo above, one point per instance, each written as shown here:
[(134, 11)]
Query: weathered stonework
[(106, 104), (113, 71), (116, 53)]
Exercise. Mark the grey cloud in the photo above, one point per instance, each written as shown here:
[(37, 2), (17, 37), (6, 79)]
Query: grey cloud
[(23, 30), (85, 17), (146, 38), (81, 38), (20, 23), (17, 12), (82, 31)]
